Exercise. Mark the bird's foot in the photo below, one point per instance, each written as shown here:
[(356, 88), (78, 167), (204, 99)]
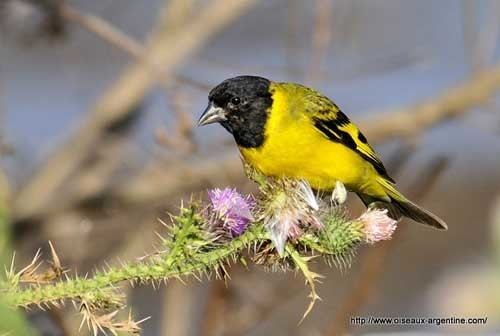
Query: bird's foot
[(339, 194)]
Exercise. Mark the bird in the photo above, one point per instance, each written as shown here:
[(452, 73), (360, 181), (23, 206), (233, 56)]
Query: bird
[(288, 130)]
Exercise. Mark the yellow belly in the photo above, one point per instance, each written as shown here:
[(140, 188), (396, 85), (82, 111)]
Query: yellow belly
[(295, 148), (308, 154)]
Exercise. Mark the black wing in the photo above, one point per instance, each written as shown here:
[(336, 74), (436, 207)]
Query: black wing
[(337, 127)]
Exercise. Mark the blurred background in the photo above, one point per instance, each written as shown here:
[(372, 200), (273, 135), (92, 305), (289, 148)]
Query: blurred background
[(98, 104)]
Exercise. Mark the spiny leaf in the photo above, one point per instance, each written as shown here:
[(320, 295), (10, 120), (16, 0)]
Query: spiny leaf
[(310, 276)]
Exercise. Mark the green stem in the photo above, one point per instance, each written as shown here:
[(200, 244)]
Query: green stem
[(155, 270)]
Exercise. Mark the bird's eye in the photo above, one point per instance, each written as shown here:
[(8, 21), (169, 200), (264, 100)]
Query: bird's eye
[(235, 101)]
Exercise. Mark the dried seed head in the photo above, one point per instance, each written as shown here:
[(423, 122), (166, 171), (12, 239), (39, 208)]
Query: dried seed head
[(288, 208)]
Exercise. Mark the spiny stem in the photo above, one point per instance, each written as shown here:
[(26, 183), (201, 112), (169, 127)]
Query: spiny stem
[(155, 270)]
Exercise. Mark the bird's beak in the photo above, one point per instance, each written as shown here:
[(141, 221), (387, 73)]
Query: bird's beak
[(212, 115)]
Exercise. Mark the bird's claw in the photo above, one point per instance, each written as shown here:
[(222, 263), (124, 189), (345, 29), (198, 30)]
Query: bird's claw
[(339, 194)]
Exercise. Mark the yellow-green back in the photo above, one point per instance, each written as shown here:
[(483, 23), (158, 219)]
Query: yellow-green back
[(295, 147)]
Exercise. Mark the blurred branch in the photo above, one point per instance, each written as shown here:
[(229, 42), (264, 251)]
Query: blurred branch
[(173, 15), (104, 30), (453, 103), (215, 310), (121, 40), (179, 139), (374, 260), (156, 183), (182, 308), (118, 102)]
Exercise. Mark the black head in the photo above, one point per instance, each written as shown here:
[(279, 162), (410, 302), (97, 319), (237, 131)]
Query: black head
[(240, 105)]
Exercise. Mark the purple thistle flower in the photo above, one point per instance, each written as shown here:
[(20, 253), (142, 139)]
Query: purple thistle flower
[(232, 211)]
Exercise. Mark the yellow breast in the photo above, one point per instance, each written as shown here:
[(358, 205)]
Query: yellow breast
[(294, 148)]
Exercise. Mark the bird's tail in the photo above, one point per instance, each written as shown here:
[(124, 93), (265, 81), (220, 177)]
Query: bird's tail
[(400, 206)]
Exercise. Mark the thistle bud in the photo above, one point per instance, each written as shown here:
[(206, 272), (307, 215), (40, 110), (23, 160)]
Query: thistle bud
[(378, 225)]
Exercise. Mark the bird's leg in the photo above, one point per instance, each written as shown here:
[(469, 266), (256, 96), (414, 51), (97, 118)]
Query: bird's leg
[(339, 194)]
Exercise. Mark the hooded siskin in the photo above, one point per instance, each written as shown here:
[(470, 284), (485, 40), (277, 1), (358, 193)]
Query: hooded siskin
[(289, 130)]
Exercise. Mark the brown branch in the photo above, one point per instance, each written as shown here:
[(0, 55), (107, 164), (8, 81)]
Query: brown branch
[(104, 30), (114, 36), (118, 102), (452, 103)]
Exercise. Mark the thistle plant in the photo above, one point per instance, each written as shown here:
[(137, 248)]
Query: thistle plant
[(284, 227), (229, 211)]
